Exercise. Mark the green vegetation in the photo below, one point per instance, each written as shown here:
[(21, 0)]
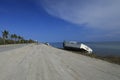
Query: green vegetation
[(7, 38)]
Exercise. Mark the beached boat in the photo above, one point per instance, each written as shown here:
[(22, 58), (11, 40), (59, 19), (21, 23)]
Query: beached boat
[(72, 45), (47, 44)]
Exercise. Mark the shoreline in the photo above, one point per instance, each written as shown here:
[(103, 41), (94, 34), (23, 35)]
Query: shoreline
[(99, 48), (111, 59)]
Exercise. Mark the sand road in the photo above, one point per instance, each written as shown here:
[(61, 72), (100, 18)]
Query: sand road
[(41, 62), (10, 47)]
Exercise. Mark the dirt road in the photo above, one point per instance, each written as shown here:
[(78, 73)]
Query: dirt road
[(10, 47), (41, 62)]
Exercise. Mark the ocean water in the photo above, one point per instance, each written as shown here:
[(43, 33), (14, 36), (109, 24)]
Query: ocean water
[(99, 48)]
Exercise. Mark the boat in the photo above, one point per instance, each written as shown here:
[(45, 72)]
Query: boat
[(47, 44), (73, 45)]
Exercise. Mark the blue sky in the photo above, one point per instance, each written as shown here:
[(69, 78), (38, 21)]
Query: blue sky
[(58, 20)]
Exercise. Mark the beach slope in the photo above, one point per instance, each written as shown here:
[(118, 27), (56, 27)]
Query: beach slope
[(41, 62)]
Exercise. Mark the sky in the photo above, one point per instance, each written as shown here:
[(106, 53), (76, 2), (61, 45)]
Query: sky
[(59, 20)]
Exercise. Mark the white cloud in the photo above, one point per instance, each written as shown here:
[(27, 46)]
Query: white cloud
[(94, 13)]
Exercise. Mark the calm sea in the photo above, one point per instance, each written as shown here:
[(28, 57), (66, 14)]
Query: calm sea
[(99, 48)]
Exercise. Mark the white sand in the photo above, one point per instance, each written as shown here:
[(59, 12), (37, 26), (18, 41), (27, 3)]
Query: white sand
[(41, 62)]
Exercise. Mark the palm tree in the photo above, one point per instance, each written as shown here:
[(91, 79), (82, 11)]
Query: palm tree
[(20, 38), (31, 41), (14, 36), (5, 35)]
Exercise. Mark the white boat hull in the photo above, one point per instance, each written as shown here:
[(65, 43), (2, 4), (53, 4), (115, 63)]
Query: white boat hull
[(75, 46)]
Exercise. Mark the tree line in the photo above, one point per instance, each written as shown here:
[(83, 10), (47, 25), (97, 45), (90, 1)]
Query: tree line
[(7, 38)]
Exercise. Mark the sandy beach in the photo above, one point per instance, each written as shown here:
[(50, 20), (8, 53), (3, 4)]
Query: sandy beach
[(41, 62)]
